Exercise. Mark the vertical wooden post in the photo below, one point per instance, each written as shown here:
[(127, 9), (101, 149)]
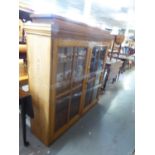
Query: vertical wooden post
[(112, 47)]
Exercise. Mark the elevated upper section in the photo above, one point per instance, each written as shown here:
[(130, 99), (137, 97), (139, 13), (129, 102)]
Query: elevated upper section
[(64, 28), (40, 29)]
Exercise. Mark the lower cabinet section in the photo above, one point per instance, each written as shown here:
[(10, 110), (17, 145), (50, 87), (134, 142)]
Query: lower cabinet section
[(61, 113), (67, 107), (75, 103), (89, 95)]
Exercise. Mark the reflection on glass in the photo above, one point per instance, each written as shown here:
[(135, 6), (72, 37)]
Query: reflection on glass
[(96, 69), (97, 79), (89, 93), (95, 93), (79, 65), (61, 112), (75, 102), (70, 68), (97, 59), (101, 57), (63, 79), (94, 61)]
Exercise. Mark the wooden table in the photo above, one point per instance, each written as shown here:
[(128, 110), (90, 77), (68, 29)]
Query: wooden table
[(121, 57), (125, 60), (25, 102), (108, 70)]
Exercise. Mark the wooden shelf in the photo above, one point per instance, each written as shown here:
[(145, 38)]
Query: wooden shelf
[(23, 79), (68, 91), (22, 48)]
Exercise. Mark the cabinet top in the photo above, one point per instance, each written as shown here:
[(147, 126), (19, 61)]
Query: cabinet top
[(36, 28), (62, 27)]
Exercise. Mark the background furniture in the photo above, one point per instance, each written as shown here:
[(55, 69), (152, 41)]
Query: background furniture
[(128, 61), (66, 62), (116, 45), (23, 75), (112, 71), (25, 102), (24, 16)]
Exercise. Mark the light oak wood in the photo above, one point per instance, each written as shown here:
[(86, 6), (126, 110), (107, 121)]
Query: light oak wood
[(22, 48), (62, 130), (39, 48), (38, 29), (27, 7), (119, 39), (53, 89), (43, 44), (23, 79)]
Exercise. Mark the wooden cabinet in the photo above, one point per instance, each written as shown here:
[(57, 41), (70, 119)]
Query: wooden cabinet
[(66, 63)]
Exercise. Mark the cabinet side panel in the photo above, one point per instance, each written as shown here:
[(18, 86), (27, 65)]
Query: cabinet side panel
[(39, 57)]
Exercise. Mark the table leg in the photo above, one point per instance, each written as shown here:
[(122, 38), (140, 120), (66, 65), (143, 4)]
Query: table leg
[(105, 82), (106, 79), (23, 115)]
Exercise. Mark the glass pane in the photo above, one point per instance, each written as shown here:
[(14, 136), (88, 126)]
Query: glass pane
[(94, 62), (79, 65), (63, 79), (97, 80), (61, 113), (75, 102), (89, 93), (95, 91), (103, 52), (97, 60), (101, 57), (105, 74)]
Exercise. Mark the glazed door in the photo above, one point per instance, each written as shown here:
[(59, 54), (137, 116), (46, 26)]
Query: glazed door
[(78, 76), (64, 70), (71, 66), (79, 66), (95, 73)]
